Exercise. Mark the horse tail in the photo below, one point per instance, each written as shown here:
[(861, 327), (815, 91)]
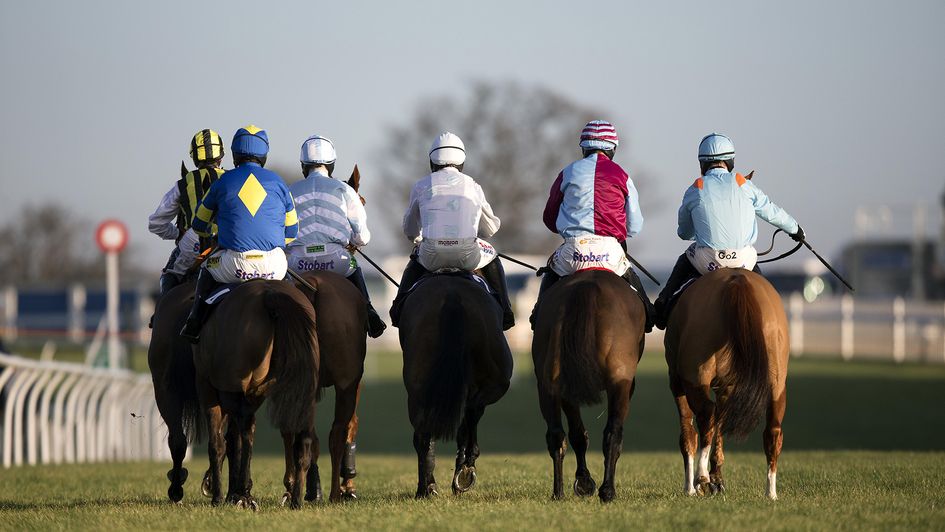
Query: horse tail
[(580, 376), (294, 362), (444, 397), (181, 382), (751, 387)]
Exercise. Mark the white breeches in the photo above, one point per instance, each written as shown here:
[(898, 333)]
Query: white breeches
[(321, 257), (188, 250), (228, 266), (464, 253), (707, 260), (583, 252)]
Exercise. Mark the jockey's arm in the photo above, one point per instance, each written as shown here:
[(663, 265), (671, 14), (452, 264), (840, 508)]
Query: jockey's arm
[(634, 213), (411, 225), (685, 229), (555, 197), (205, 212), (768, 211), (357, 218), (489, 223), (162, 220), (291, 217)]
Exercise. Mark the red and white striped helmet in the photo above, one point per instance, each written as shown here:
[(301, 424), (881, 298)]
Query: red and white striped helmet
[(599, 135)]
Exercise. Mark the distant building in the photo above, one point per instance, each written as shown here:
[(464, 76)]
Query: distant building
[(890, 268)]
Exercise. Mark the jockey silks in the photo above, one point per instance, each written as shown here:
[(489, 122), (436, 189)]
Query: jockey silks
[(593, 196), (718, 211), (192, 187), (329, 211), (253, 210)]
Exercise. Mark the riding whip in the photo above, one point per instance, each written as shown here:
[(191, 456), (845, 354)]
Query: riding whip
[(642, 269), (828, 266), (516, 261), (300, 280), (378, 268)]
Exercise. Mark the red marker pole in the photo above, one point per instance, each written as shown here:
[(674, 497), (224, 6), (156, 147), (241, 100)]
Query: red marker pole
[(112, 237)]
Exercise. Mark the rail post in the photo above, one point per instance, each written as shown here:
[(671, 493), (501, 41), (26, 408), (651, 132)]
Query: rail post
[(846, 327)]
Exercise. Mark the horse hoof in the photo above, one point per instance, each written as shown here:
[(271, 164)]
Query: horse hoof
[(607, 494), (314, 495), (175, 493), (464, 479), (285, 499), (251, 503), (584, 486), (349, 496), (205, 485)]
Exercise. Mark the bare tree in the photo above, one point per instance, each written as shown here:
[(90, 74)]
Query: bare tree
[(517, 140), (49, 244)]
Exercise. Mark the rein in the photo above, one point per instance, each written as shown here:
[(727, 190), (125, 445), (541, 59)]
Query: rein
[(781, 256)]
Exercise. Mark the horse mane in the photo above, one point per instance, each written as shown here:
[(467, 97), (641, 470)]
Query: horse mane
[(751, 386), (580, 377)]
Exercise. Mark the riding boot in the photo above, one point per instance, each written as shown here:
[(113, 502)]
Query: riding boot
[(548, 278), (634, 281), (683, 270), (376, 325), (412, 273), (494, 274), (168, 281), (205, 284)]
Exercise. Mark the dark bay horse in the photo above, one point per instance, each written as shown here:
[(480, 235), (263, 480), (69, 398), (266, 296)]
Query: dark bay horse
[(342, 342), (588, 339), (260, 342), (171, 361), (456, 362), (728, 335)]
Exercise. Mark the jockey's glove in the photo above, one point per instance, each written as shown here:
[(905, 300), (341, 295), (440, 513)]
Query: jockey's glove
[(799, 235)]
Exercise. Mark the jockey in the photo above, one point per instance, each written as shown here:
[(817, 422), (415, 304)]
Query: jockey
[(256, 218), (171, 219), (447, 213), (332, 223), (594, 205), (718, 212)]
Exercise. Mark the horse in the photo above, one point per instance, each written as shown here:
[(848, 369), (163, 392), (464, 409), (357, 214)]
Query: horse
[(342, 340), (588, 339), (728, 334), (170, 359), (456, 362), (260, 342)]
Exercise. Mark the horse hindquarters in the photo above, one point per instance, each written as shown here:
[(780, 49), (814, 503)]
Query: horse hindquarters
[(443, 397)]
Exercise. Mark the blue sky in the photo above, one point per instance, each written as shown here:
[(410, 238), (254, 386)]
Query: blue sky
[(835, 104)]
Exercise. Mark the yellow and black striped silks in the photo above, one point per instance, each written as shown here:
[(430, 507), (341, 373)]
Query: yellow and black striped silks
[(207, 145), (193, 186)]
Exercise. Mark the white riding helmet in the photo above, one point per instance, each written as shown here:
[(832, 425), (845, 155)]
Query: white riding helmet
[(447, 149), (716, 147), (318, 150)]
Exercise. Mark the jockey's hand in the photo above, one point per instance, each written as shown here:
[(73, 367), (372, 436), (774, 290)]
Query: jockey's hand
[(351, 248), (799, 235)]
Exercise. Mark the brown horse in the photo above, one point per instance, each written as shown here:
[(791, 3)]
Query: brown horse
[(260, 342), (342, 342), (456, 362), (588, 339), (728, 335), (170, 359)]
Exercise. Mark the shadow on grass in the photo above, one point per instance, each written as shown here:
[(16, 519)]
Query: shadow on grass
[(829, 411)]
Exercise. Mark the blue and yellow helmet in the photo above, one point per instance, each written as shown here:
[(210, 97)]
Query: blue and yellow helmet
[(250, 140)]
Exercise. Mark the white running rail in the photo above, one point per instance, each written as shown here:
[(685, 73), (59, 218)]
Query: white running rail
[(54, 412)]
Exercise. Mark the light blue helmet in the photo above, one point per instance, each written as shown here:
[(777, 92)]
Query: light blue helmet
[(716, 147)]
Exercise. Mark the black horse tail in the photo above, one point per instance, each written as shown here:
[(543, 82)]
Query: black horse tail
[(182, 383), (444, 398), (751, 385), (294, 361), (580, 378)]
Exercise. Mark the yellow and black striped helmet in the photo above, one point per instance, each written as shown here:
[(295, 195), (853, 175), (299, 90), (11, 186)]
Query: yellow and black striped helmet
[(206, 146)]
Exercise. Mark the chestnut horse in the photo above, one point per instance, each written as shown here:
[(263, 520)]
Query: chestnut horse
[(456, 362), (728, 335), (588, 339), (342, 342), (260, 342)]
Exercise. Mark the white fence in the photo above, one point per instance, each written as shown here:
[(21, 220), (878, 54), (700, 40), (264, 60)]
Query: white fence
[(55, 413)]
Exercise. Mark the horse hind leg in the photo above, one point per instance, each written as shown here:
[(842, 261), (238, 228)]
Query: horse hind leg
[(687, 436), (467, 450), (313, 482), (424, 445), (177, 444), (717, 458), (554, 437), (701, 402), (345, 401), (584, 485), (348, 469), (618, 405), (772, 441)]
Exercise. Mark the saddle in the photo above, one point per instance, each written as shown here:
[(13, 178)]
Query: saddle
[(450, 272)]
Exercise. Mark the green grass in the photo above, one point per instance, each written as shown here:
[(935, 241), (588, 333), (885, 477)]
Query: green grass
[(864, 447), (819, 490)]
